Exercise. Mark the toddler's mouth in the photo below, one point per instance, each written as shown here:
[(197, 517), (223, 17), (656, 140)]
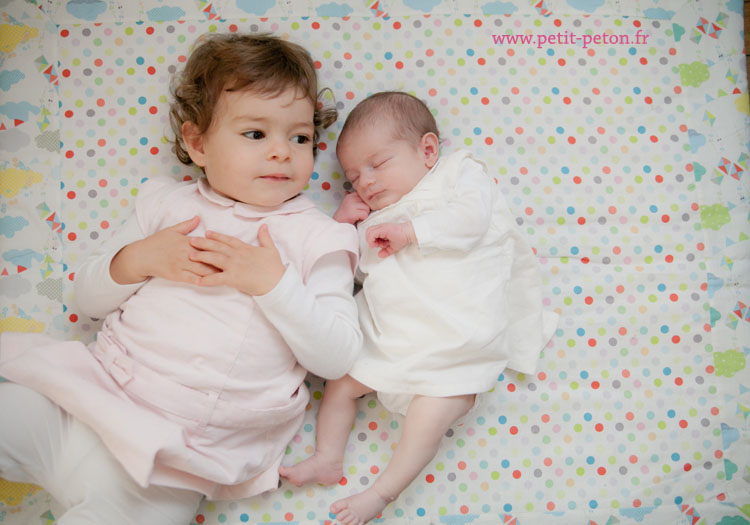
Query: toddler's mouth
[(275, 177)]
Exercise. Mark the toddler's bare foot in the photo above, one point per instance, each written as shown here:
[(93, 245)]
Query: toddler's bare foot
[(316, 468), (360, 508)]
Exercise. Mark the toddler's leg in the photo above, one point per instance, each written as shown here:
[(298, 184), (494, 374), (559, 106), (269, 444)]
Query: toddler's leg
[(335, 418), (41, 443), (427, 420), (105, 493), (30, 435)]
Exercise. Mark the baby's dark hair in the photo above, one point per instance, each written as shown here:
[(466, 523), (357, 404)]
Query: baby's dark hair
[(261, 63), (410, 118)]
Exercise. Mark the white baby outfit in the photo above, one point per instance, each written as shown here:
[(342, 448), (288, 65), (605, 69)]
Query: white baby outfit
[(447, 316), (202, 388)]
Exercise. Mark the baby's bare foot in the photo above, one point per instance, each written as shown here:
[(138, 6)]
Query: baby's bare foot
[(360, 508), (316, 468)]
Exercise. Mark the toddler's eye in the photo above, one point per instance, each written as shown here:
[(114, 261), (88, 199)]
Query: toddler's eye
[(255, 135), (301, 139)]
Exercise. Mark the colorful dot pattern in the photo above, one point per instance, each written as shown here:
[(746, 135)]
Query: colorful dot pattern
[(624, 166)]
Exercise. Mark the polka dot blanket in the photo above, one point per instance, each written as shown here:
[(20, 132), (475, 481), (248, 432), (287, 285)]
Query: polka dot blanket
[(618, 132)]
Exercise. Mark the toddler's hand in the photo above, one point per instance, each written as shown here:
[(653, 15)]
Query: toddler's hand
[(165, 254), (254, 270), (352, 209), (390, 237)]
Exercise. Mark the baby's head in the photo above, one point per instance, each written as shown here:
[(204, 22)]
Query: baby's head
[(388, 143), (245, 109), (262, 64)]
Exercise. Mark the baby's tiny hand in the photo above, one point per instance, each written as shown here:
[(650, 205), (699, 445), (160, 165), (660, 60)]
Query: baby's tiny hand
[(390, 237), (352, 209)]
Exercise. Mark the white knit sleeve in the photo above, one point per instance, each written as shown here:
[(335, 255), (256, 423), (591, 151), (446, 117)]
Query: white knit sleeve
[(96, 294), (465, 218), (318, 320)]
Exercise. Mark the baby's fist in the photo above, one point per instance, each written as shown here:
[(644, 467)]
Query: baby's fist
[(352, 209)]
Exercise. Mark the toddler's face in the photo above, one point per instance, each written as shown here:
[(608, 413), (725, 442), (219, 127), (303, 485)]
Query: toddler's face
[(258, 149), (381, 168)]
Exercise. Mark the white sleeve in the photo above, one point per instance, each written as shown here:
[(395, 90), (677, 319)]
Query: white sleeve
[(96, 293), (318, 320), (465, 219)]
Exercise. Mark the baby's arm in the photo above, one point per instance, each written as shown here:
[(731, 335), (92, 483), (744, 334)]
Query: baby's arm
[(318, 319), (457, 226), (466, 217)]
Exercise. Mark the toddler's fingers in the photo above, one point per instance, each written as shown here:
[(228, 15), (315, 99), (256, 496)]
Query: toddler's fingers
[(210, 258), (215, 279), (187, 226), (234, 242), (264, 237), (201, 269), (204, 244)]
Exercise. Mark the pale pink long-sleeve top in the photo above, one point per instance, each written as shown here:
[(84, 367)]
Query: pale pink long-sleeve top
[(203, 387)]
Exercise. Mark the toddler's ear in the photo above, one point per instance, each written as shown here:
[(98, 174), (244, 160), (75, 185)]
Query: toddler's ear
[(193, 143), (429, 146)]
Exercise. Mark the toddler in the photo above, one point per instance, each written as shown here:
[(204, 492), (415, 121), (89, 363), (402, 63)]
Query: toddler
[(451, 294), (217, 297)]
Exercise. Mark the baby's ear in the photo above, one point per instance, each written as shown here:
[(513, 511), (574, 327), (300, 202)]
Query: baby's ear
[(193, 143), (429, 147)]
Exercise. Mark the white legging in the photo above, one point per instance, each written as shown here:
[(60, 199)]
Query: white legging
[(42, 444)]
